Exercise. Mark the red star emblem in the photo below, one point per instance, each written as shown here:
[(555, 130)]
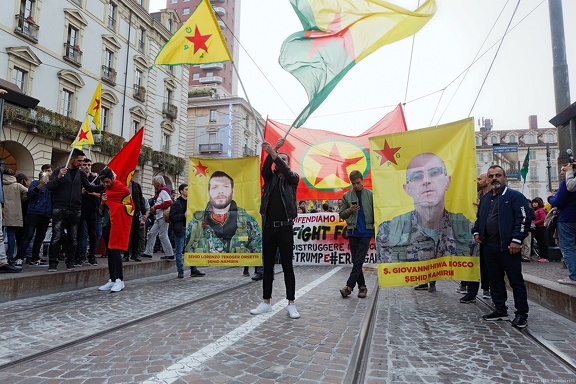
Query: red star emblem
[(331, 161), (97, 107), (83, 135), (198, 40), (200, 169), (387, 154)]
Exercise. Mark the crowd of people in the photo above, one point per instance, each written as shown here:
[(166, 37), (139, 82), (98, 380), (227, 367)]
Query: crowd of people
[(77, 202)]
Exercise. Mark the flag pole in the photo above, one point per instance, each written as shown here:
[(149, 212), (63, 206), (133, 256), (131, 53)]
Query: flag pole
[(248, 100)]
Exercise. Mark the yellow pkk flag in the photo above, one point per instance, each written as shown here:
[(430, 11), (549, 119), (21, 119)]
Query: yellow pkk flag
[(198, 41), (84, 135), (94, 107)]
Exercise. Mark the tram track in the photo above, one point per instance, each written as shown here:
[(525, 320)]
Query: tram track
[(96, 335), (539, 340)]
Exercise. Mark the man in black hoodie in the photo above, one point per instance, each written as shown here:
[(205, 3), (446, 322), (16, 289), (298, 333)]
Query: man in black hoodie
[(66, 185)]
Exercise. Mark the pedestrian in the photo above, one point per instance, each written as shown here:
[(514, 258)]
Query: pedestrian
[(540, 230), (178, 224), (117, 234), (5, 267), (141, 213), (14, 194), (278, 209), (160, 228), (37, 217), (66, 185), (87, 234), (565, 201), (501, 225), (22, 179), (357, 209)]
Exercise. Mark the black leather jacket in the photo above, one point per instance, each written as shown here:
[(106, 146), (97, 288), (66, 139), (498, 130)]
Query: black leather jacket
[(288, 184)]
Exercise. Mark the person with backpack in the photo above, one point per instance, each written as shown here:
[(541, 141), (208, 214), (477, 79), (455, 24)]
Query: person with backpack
[(540, 230)]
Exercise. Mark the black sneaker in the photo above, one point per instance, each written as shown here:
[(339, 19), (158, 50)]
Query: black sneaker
[(167, 258), (180, 274), (195, 272), (70, 267), (257, 276), (136, 258), (495, 316), (520, 321), (467, 299), (145, 255), (126, 259), (421, 287)]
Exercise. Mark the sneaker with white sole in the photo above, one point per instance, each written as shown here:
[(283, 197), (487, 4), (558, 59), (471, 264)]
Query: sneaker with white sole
[(261, 308), (118, 286), (108, 286), (292, 311), (486, 294)]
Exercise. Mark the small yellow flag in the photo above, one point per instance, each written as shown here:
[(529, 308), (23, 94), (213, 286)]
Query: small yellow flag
[(94, 107), (84, 135), (198, 41)]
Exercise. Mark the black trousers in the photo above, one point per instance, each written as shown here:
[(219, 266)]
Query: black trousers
[(64, 219), (281, 239), (114, 257), (358, 247), (36, 226)]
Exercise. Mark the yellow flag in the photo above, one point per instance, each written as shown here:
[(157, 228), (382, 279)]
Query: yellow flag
[(198, 41), (94, 107), (84, 135)]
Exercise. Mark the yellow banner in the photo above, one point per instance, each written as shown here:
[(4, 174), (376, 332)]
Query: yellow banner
[(223, 225), (424, 190)]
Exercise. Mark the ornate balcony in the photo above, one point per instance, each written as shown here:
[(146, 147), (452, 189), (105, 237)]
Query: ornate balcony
[(109, 75), (248, 151), (170, 110), (73, 54), (27, 27), (211, 148), (139, 92)]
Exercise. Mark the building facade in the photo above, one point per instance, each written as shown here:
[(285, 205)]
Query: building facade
[(219, 75), (543, 144), (57, 51), (222, 126)]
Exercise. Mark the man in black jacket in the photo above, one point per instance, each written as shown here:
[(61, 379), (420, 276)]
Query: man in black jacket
[(178, 226), (66, 185), (502, 224), (278, 209), (87, 227), (138, 221)]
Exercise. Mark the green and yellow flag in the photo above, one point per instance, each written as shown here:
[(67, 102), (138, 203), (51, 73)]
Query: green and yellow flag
[(198, 41), (525, 165), (337, 35)]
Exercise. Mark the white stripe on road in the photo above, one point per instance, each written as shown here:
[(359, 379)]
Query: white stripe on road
[(195, 360)]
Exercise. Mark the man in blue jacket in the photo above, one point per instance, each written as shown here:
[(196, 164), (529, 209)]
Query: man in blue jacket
[(37, 217), (501, 225)]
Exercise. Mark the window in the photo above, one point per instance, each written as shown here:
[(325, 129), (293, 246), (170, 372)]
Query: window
[(74, 23), (112, 16), (494, 140), (66, 103), (478, 141), (19, 78), (512, 139), (73, 52), (533, 174), (136, 126), (166, 142), (170, 25), (213, 115), (173, 1), (169, 96), (530, 138), (27, 8), (104, 118), (138, 78), (550, 137), (142, 39), (186, 11), (196, 76), (212, 138)]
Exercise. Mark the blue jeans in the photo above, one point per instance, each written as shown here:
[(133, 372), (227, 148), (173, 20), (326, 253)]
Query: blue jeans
[(11, 237), (567, 238), (178, 248)]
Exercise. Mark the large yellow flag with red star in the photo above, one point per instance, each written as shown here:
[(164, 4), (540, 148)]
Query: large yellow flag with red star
[(94, 107), (198, 41), (84, 135)]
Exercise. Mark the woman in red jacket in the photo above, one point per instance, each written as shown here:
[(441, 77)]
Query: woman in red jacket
[(540, 232)]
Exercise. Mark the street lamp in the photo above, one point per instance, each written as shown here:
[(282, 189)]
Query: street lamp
[(548, 166)]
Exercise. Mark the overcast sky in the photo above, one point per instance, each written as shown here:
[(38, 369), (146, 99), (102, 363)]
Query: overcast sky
[(519, 84)]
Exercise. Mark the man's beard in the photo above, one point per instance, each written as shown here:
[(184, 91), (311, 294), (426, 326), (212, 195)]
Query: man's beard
[(221, 205), (497, 185)]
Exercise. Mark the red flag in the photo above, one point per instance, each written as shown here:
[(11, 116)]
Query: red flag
[(125, 162), (121, 211), (324, 159)]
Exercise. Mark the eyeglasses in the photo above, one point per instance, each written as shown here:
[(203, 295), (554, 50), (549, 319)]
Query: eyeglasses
[(418, 176)]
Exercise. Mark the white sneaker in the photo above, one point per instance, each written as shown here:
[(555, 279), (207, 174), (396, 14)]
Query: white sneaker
[(292, 311), (261, 308), (107, 286), (118, 286)]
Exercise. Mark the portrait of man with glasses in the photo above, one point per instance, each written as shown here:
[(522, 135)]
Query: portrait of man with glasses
[(429, 231)]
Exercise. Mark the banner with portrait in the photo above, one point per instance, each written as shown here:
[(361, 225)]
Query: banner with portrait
[(424, 190), (320, 239), (223, 222)]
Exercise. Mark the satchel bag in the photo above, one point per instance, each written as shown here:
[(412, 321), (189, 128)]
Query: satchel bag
[(166, 214), (551, 220)]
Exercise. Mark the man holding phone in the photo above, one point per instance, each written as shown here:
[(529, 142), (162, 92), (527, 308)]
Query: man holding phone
[(357, 209)]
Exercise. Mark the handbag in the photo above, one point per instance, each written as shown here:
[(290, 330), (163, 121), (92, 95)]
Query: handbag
[(166, 214), (551, 220)]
